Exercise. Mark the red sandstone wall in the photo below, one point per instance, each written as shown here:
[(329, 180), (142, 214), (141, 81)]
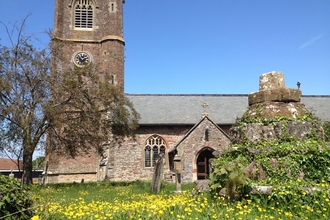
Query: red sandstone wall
[(104, 42), (106, 22), (64, 168)]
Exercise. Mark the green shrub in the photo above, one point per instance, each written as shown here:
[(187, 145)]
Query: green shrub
[(307, 160), (15, 201), (326, 128), (230, 175)]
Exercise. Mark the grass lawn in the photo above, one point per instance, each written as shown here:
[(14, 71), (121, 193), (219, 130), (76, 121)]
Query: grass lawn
[(134, 200)]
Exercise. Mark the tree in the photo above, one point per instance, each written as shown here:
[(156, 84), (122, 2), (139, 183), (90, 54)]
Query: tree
[(38, 163), (24, 94), (76, 109), (88, 110)]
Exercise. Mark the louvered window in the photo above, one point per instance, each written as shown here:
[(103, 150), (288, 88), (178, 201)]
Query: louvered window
[(83, 14)]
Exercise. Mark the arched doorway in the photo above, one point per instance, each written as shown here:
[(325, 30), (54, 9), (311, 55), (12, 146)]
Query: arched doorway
[(203, 168)]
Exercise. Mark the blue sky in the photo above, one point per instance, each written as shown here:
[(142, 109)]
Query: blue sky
[(213, 46)]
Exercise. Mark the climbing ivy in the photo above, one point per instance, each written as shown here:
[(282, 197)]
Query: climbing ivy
[(308, 160), (258, 118), (326, 129), (285, 160), (15, 200)]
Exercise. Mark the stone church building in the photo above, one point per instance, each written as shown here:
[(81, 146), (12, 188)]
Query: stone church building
[(191, 126)]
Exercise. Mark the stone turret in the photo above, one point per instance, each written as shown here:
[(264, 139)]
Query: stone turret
[(273, 111)]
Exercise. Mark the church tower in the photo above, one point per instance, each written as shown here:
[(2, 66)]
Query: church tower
[(90, 31), (85, 31)]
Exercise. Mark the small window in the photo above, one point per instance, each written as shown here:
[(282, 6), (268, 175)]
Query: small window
[(83, 14), (207, 133), (155, 145)]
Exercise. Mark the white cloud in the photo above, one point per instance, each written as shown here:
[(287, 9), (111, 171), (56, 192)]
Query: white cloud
[(311, 41)]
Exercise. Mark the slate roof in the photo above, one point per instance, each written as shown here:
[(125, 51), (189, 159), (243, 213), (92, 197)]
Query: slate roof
[(186, 109), (318, 105)]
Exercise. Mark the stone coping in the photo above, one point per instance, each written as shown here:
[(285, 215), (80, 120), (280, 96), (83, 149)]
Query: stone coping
[(275, 95)]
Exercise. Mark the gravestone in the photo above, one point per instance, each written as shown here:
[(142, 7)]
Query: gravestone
[(158, 174)]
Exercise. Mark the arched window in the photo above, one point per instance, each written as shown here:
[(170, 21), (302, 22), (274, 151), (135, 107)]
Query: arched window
[(154, 146), (83, 14)]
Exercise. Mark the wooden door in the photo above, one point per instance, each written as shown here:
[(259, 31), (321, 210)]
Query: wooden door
[(203, 171)]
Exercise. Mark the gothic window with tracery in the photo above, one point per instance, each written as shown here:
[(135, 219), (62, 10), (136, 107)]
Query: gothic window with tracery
[(83, 14), (154, 146)]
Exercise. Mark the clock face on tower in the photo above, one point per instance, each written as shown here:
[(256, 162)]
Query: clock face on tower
[(81, 59)]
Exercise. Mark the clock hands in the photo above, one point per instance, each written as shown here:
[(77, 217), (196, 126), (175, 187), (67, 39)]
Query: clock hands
[(82, 58)]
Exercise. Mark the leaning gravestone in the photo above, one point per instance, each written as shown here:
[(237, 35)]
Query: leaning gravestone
[(158, 174)]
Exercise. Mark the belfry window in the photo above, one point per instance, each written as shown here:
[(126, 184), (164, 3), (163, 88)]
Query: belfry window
[(155, 145), (83, 14)]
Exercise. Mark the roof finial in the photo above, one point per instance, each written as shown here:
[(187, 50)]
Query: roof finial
[(205, 106)]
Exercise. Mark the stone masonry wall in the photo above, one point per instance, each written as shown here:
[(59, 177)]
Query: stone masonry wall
[(70, 178), (104, 42), (190, 148), (106, 22), (127, 159), (273, 102), (129, 156), (64, 168)]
